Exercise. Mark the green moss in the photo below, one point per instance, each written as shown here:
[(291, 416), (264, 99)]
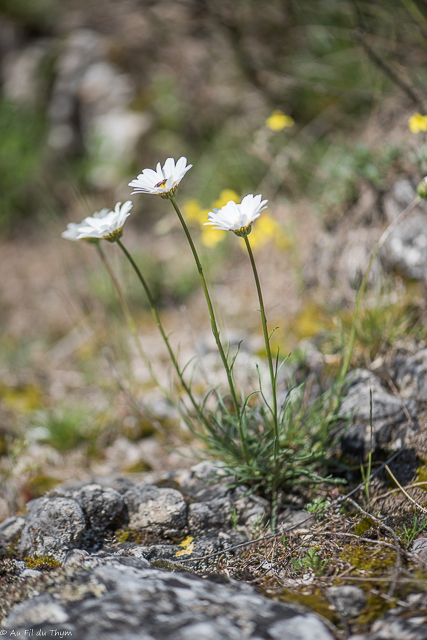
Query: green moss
[(422, 477), (363, 526), (369, 560), (44, 563), (376, 606), (129, 535), (315, 601)]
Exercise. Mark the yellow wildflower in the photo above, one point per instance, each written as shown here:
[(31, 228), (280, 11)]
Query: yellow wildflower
[(417, 123), (193, 211), (210, 237), (225, 196), (265, 229), (187, 547), (279, 120)]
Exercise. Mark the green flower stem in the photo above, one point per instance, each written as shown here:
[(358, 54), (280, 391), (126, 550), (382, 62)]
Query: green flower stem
[(129, 320), (214, 326), (273, 384), (162, 331), (381, 241)]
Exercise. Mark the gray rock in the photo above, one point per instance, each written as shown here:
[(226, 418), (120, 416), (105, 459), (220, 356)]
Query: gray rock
[(23, 80), (390, 628), (205, 482), (388, 413), (294, 518), (405, 249), (109, 129), (251, 510), (207, 515), (103, 507), (79, 559), (20, 565), (214, 505), (154, 552), (303, 627), (114, 560), (76, 557), (11, 529), (348, 600), (419, 550), (159, 511), (147, 604), (53, 526), (31, 573), (37, 611), (410, 373)]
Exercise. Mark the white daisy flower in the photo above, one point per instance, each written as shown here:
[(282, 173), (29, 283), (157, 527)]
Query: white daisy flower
[(72, 231), (164, 180), (102, 213), (103, 224), (238, 217)]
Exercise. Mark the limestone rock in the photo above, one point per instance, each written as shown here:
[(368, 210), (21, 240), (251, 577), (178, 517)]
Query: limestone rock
[(53, 526), (147, 604), (11, 529), (348, 600), (103, 507), (207, 515), (388, 413), (159, 511), (37, 611), (405, 249), (410, 374)]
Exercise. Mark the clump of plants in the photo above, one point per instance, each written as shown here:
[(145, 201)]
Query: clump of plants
[(267, 442)]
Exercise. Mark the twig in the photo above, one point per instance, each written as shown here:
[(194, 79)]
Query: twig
[(353, 535), (388, 598), (341, 575), (295, 526), (403, 491), (408, 486)]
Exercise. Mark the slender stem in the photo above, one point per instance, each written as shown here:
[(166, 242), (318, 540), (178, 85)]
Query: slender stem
[(266, 340), (381, 241), (273, 383), (214, 326), (128, 316), (162, 331)]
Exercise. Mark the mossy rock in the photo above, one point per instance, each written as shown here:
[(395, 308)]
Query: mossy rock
[(315, 601), (44, 563), (363, 526)]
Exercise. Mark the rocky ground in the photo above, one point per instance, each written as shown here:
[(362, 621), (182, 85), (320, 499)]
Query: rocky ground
[(182, 555)]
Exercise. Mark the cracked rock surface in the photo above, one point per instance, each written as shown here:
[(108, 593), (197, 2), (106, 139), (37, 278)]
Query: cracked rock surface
[(124, 602)]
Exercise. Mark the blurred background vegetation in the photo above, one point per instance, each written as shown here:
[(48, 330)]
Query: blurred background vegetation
[(200, 79)]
